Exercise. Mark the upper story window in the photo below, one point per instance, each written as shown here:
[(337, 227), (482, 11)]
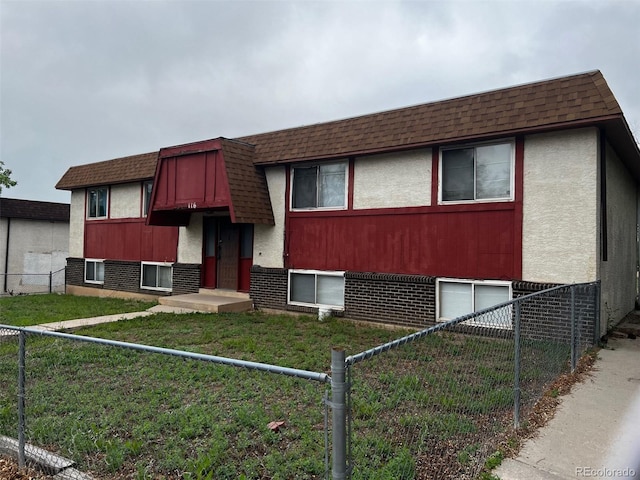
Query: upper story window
[(477, 173), (98, 201), (146, 197), (319, 186)]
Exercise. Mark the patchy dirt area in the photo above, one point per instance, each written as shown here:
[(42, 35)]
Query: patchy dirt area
[(545, 408), (9, 471)]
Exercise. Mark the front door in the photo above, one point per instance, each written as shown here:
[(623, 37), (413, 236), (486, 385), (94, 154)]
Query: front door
[(228, 254)]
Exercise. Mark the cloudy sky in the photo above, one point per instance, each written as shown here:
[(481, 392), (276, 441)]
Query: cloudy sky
[(85, 81)]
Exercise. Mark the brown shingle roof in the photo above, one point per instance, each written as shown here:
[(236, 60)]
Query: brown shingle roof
[(247, 185), (120, 170), (34, 210), (583, 99), (547, 104)]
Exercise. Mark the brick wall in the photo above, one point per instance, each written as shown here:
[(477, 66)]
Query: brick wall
[(75, 272), (186, 278), (268, 288), (122, 276), (410, 300), (548, 315), (407, 300)]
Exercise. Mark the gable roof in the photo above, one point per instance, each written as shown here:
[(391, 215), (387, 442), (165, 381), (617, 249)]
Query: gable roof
[(133, 168), (558, 103), (34, 210)]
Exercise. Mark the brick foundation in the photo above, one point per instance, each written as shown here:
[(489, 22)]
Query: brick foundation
[(410, 300), (186, 278)]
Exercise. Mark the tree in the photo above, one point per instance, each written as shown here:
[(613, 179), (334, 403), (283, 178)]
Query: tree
[(5, 177)]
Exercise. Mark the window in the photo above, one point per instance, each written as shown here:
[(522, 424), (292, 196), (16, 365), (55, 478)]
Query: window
[(146, 197), (319, 186), (313, 288), (460, 297), (97, 202), (483, 172), (156, 276), (93, 271)]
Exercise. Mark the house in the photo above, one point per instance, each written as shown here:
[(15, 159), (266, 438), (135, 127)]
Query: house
[(406, 216), (34, 245)]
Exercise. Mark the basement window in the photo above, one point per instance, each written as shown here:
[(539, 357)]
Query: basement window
[(316, 288), (157, 276), (94, 271), (456, 298)]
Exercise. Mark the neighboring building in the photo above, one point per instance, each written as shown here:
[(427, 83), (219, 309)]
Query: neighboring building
[(34, 246), (406, 216)]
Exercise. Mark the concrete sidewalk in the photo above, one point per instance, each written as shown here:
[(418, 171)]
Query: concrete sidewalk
[(87, 322), (595, 432)]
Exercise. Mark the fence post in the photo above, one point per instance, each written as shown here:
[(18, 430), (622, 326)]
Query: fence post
[(596, 333), (21, 396), (516, 373), (573, 329), (339, 417), (50, 282)]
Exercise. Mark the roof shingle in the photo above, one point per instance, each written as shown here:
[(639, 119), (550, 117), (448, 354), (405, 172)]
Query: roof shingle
[(34, 210)]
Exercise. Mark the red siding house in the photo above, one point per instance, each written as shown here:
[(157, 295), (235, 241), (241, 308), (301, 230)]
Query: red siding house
[(408, 216)]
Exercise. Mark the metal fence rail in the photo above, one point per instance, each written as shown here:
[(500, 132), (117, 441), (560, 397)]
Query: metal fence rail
[(436, 403), (432, 404), (107, 405), (29, 283)]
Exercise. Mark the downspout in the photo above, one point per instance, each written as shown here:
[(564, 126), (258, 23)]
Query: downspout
[(6, 255), (603, 195)]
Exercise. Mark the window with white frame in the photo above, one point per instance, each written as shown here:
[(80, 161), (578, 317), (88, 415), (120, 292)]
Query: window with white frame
[(146, 197), (156, 276), (319, 186), (98, 199), (315, 288), (93, 271), (456, 298), (477, 173)]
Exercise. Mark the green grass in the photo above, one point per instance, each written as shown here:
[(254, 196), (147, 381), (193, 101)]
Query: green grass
[(28, 310), (434, 409)]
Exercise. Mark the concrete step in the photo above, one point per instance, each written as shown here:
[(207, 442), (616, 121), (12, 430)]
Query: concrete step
[(208, 302), (220, 292)]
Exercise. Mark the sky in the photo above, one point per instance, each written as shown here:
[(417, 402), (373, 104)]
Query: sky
[(87, 81)]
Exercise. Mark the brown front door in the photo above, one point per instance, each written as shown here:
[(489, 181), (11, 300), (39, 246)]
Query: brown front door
[(228, 254)]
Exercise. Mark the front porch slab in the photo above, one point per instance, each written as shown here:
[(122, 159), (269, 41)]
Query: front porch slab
[(212, 301)]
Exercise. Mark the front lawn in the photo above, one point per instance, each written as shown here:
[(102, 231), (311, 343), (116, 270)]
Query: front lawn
[(432, 409), (28, 310)]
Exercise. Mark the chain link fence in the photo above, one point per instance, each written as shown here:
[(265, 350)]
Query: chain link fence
[(30, 283), (115, 410), (437, 403), (433, 404)]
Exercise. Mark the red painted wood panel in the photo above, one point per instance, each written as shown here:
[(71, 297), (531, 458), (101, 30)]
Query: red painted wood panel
[(191, 181), (130, 240), (244, 274), (431, 241)]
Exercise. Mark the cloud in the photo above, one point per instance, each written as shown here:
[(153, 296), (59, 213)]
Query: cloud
[(89, 81)]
